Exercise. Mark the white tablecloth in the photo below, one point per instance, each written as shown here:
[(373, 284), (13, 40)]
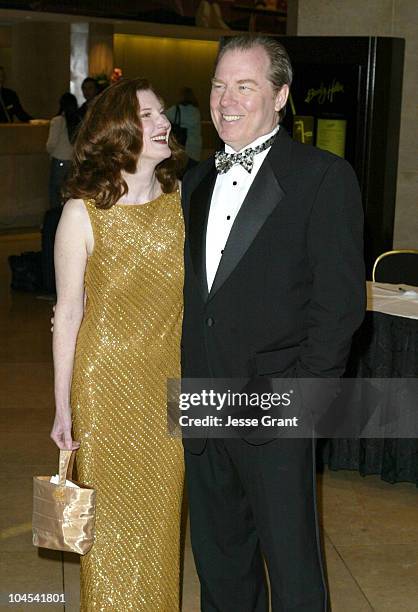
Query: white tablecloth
[(397, 300)]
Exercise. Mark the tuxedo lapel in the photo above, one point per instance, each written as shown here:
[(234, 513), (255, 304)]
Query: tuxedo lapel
[(262, 198), (199, 211)]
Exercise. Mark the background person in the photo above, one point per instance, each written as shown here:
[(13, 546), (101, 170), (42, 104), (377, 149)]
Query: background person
[(90, 89), (10, 106), (62, 132), (191, 120), (120, 242)]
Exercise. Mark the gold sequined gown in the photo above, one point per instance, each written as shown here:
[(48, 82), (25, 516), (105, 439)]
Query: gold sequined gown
[(127, 346)]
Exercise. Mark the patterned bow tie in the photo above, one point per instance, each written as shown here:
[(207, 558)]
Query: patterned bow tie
[(225, 161)]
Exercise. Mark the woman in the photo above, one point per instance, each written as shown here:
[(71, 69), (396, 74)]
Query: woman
[(62, 131), (120, 242)]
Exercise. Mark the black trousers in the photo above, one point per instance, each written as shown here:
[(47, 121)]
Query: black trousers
[(247, 502), (58, 173)]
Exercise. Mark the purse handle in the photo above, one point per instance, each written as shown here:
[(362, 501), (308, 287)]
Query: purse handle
[(66, 465)]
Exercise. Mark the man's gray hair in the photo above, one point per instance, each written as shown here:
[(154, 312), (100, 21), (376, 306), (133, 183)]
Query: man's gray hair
[(280, 72)]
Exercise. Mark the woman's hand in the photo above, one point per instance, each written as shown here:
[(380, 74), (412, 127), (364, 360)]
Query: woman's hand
[(61, 431)]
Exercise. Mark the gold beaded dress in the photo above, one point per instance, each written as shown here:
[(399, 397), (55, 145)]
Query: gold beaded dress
[(127, 347)]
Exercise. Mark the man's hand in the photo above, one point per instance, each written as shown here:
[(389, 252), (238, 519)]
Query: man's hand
[(52, 319)]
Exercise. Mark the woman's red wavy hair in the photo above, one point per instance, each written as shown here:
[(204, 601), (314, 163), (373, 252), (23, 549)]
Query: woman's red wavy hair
[(109, 141)]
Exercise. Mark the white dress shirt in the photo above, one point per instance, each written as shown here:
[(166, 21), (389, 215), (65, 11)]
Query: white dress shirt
[(227, 198)]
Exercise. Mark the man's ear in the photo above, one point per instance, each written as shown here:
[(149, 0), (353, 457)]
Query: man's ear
[(281, 98)]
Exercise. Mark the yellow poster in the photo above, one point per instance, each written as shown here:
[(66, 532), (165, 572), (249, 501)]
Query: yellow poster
[(330, 135)]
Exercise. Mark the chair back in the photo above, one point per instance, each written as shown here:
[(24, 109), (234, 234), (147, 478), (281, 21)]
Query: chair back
[(400, 266)]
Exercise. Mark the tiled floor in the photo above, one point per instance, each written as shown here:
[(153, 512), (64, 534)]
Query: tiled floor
[(370, 527)]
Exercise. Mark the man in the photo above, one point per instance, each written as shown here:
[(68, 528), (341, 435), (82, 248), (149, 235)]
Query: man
[(10, 106), (274, 285), (90, 89)]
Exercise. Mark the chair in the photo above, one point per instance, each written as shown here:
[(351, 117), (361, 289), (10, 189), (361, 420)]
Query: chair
[(399, 266)]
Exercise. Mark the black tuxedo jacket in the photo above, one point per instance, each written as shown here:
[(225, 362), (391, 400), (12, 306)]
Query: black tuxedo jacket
[(290, 288), (10, 104)]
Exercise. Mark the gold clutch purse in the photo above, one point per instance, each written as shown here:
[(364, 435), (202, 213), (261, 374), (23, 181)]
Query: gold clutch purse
[(63, 516)]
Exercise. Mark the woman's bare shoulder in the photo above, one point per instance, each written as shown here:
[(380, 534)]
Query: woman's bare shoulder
[(75, 205), (75, 220), (75, 214), (75, 209)]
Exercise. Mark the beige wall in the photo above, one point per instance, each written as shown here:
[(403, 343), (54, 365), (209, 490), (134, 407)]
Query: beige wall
[(6, 47), (39, 70), (40, 65), (100, 48), (24, 170), (398, 18)]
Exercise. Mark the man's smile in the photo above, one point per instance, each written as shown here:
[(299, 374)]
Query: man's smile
[(231, 118)]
